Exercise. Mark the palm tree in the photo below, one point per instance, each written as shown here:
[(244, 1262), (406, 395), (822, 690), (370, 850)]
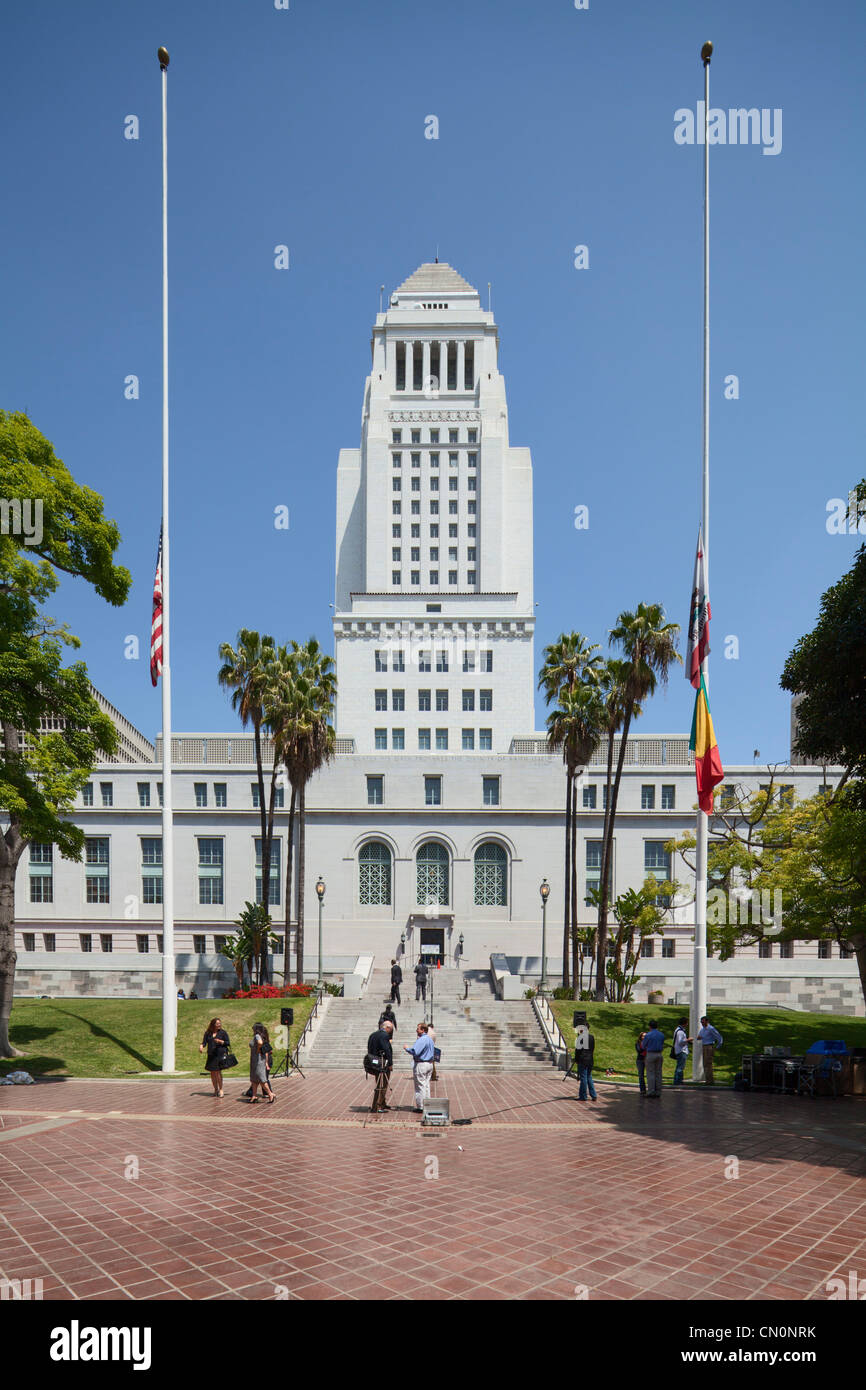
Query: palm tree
[(577, 726), (568, 662), (245, 672), (649, 646), (300, 708)]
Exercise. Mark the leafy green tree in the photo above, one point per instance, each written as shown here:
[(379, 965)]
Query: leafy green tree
[(827, 670), (44, 765), (251, 943), (649, 647)]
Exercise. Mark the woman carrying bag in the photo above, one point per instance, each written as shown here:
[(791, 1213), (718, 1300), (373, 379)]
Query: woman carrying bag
[(219, 1057)]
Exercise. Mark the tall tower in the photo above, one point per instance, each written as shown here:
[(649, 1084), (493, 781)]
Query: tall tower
[(434, 615)]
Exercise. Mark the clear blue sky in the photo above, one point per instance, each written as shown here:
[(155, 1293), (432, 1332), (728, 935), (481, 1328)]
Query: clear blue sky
[(306, 127)]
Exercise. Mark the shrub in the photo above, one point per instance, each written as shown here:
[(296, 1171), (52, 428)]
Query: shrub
[(271, 992)]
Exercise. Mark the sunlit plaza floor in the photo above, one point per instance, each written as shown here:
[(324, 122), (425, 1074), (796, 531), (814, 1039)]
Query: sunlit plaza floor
[(153, 1189)]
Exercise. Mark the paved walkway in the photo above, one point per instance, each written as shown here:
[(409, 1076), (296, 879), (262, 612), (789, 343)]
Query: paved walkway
[(152, 1189)]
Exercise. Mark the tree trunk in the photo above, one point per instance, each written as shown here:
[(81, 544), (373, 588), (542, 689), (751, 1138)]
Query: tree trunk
[(290, 859), (567, 892), (302, 835), (607, 850), (8, 869), (575, 945)]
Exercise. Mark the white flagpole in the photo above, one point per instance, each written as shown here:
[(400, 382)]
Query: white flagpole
[(169, 987), (699, 959)]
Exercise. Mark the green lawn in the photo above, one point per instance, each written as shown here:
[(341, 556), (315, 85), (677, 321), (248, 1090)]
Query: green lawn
[(616, 1027), (123, 1037)]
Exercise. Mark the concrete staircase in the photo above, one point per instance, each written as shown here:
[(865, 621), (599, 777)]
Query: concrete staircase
[(479, 1033)]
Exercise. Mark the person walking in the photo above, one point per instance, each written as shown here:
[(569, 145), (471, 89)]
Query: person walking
[(380, 1061), (584, 1057), (422, 1065), (680, 1050), (654, 1042), (640, 1049), (709, 1038), (216, 1043), (396, 982), (259, 1047), (388, 1016), (421, 981)]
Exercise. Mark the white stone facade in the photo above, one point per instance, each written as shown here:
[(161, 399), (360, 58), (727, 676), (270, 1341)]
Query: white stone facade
[(418, 842)]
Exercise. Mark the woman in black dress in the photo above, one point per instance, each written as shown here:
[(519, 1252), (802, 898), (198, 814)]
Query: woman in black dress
[(216, 1043)]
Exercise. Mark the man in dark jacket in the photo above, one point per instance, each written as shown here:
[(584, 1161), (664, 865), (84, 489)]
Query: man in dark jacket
[(379, 1048), (396, 981), (388, 1016), (421, 981), (584, 1057)]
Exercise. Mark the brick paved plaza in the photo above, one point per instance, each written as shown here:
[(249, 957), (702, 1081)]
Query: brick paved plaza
[(627, 1197)]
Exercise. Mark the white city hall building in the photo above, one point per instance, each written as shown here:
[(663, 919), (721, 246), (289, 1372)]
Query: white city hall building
[(443, 809)]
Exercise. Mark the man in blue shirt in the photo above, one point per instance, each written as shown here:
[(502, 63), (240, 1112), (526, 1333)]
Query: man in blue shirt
[(654, 1042), (422, 1065), (709, 1038)]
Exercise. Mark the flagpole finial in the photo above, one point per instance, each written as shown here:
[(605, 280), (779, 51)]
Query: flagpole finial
[(162, 55), (707, 53)]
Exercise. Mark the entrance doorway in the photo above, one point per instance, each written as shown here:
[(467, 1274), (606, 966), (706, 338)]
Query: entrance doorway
[(432, 946)]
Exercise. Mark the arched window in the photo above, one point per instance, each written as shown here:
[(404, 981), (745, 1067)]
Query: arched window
[(491, 875), (432, 870), (374, 865)]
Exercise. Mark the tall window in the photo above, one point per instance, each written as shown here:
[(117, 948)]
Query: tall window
[(647, 798), (398, 739), (485, 700), (220, 793), (210, 872), (375, 791), (398, 699), (424, 739), (491, 875), (274, 880), (589, 796), (593, 867), (432, 873), (468, 657), (381, 699), (380, 738), (279, 796), (151, 870), (374, 874), (442, 661), (144, 793), (657, 863), (669, 948), (107, 790), (487, 660), (87, 794), (668, 797), (423, 699), (485, 739), (490, 790), (469, 700), (442, 740), (96, 877), (41, 873), (432, 791), (442, 699), (468, 740), (201, 793)]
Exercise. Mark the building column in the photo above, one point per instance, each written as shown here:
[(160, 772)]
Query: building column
[(461, 364), (410, 364), (425, 364), (443, 366)]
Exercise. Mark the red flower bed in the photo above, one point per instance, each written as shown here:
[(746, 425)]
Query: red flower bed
[(271, 992)]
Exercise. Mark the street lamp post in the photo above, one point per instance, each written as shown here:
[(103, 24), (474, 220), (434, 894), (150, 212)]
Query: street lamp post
[(320, 894), (544, 890)]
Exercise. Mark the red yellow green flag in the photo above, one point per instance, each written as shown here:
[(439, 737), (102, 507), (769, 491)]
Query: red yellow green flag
[(708, 764)]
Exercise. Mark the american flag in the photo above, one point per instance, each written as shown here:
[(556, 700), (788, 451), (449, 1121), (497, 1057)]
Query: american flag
[(156, 623)]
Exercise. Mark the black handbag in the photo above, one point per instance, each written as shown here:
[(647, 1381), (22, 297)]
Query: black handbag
[(230, 1060)]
